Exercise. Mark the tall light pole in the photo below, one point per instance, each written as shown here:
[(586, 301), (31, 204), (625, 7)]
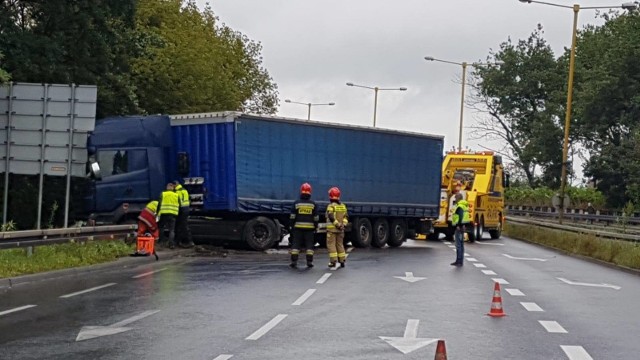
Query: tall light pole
[(464, 65), (375, 99), (572, 58), (309, 105)]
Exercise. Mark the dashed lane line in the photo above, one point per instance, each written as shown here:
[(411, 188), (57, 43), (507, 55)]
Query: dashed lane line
[(576, 352), (467, 255), (553, 327), (16, 309), (500, 281), (489, 272), (268, 326), (307, 294), (472, 259), (447, 243), (223, 357), (148, 273), (478, 265), (514, 292), (452, 246), (531, 306), (87, 290), (324, 278)]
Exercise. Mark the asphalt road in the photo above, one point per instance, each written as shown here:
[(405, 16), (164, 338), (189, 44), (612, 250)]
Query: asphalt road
[(253, 306)]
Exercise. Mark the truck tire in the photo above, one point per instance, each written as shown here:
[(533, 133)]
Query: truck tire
[(260, 233), (321, 239), (361, 233), (497, 232), (434, 236), (479, 230), (398, 233), (380, 233)]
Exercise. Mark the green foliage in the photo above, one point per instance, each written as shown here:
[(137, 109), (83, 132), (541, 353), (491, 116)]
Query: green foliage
[(622, 253), (523, 97), (10, 226), (15, 262), (608, 105), (192, 63), (4, 76), (541, 196)]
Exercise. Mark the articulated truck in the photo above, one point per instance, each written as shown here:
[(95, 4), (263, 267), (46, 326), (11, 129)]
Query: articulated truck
[(243, 173)]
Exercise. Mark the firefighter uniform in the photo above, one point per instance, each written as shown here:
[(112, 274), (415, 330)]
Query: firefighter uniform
[(183, 233), (169, 207), (336, 221), (147, 220), (304, 221)]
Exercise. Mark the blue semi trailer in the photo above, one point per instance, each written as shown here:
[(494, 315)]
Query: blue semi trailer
[(244, 171)]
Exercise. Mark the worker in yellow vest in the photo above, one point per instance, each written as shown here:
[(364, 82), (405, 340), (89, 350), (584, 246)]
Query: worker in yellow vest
[(183, 233), (168, 209), (460, 220)]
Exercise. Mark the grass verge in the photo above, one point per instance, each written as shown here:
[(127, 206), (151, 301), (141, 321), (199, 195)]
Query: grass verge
[(622, 253), (15, 262)]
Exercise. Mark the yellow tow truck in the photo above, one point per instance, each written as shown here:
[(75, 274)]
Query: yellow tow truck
[(479, 177)]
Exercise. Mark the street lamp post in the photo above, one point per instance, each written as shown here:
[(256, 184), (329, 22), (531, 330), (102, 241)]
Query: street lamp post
[(464, 65), (572, 58), (375, 99), (309, 105)]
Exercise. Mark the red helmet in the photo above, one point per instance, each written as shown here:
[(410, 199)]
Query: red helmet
[(305, 189), (334, 193)]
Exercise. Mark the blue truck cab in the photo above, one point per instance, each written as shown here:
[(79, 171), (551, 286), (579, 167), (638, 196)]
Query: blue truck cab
[(243, 173)]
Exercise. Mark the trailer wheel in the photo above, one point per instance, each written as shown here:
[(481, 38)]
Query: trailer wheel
[(480, 229), (380, 233), (398, 233), (361, 233), (261, 233)]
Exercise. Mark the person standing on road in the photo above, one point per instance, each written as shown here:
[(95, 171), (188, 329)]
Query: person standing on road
[(183, 233), (460, 220), (304, 222), (336, 221), (147, 220), (168, 209)]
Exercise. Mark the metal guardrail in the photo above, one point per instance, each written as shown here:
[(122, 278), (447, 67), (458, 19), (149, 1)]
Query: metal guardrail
[(573, 214), (26, 238), (574, 229)]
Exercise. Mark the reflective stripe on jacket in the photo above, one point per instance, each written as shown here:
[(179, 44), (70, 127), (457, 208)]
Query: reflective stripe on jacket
[(183, 196), (169, 203), (336, 215), (304, 215)]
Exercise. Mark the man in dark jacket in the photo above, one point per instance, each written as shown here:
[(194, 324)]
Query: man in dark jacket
[(304, 221)]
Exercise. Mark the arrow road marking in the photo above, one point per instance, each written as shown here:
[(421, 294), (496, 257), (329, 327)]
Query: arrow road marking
[(614, 287), (408, 277), (521, 258), (409, 342), (91, 332)]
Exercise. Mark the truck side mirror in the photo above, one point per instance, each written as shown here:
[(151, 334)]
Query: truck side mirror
[(94, 169), (183, 164)]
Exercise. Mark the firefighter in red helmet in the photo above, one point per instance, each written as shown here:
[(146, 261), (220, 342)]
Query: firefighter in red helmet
[(336, 221), (304, 222)]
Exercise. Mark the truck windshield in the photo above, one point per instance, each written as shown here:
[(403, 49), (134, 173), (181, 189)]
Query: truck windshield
[(115, 162)]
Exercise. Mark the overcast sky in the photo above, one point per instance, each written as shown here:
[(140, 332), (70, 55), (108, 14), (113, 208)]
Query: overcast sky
[(312, 48)]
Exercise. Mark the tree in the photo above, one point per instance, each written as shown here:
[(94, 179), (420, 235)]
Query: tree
[(523, 100), (608, 105), (4, 76), (82, 41), (192, 63)]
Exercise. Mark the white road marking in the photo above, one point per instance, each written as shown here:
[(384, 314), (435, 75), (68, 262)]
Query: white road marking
[(447, 243), (268, 326), (472, 259), (338, 264), (16, 309), (478, 265), (223, 357), (87, 290), (324, 278), (350, 249), (514, 292), (500, 281), (148, 273), (522, 258), (409, 342), (531, 306), (553, 327), (465, 254), (614, 287), (576, 352), (304, 297), (408, 277), (489, 272), (92, 332), (452, 246), (489, 243)]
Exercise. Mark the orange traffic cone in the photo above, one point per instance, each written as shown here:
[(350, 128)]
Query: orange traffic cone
[(496, 303), (441, 351)]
